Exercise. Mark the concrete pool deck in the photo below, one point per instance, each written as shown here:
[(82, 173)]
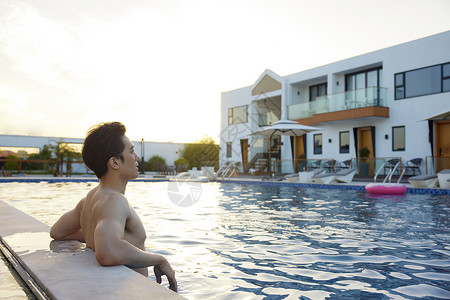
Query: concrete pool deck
[(67, 269)]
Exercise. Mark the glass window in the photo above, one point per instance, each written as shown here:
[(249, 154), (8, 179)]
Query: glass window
[(446, 78), (399, 79), (423, 81), (316, 91), (399, 86), (420, 82), (318, 143), (344, 142), (446, 85), (372, 78), (237, 115), (446, 70), (229, 149), (364, 79), (398, 138)]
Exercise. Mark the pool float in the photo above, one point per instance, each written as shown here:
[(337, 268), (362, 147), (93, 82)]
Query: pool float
[(386, 188)]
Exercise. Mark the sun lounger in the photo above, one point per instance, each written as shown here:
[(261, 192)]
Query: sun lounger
[(292, 177), (345, 175), (443, 177), (324, 178), (424, 181)]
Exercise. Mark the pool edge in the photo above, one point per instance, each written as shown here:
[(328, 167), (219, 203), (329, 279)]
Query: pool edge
[(65, 270)]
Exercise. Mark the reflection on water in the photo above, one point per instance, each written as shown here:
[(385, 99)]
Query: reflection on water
[(278, 242)]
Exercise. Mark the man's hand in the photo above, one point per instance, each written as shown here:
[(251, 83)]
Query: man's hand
[(166, 269)]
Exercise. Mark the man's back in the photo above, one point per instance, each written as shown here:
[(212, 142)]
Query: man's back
[(103, 205)]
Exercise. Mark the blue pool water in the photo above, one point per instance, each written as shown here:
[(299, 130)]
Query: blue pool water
[(250, 241)]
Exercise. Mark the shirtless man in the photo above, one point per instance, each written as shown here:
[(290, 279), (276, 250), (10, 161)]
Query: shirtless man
[(104, 219)]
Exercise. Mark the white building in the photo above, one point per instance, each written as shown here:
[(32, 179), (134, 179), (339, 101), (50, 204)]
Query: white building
[(33, 144), (394, 101)]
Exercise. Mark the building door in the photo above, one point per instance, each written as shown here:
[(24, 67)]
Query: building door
[(442, 149), (365, 139), (244, 152), (300, 155)]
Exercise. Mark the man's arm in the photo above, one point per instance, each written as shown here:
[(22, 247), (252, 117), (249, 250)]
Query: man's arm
[(112, 249), (68, 226)]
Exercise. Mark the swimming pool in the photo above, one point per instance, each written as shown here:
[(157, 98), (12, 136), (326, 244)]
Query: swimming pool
[(277, 242)]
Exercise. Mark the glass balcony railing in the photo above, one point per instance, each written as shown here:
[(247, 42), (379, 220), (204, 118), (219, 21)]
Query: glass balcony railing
[(372, 96)]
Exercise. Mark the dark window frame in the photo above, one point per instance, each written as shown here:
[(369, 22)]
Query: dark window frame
[(403, 85), (343, 149), (394, 138), (318, 149)]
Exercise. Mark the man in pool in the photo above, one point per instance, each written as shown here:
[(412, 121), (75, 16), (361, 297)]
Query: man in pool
[(104, 219)]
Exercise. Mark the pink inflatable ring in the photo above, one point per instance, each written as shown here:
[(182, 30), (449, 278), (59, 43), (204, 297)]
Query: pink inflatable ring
[(386, 188)]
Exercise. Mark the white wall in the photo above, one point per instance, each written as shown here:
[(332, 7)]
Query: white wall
[(409, 112), (170, 151)]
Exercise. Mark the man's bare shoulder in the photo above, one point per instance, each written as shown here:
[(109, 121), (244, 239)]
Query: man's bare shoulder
[(107, 202)]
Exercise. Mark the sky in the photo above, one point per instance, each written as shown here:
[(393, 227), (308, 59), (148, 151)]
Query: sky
[(160, 66)]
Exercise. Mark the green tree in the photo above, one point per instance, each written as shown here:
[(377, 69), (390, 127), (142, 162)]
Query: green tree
[(202, 153), (69, 154)]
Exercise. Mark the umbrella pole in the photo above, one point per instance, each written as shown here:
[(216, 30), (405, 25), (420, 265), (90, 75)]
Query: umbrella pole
[(270, 156)]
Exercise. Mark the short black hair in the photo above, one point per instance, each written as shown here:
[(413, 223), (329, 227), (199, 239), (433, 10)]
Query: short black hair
[(102, 142)]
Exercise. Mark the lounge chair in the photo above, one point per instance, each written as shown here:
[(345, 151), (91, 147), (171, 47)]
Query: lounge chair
[(443, 177), (324, 178), (344, 164), (304, 177), (329, 164), (292, 177), (424, 181), (414, 165), (390, 165), (345, 175)]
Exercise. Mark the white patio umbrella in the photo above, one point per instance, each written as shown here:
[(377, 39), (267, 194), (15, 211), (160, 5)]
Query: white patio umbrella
[(283, 127)]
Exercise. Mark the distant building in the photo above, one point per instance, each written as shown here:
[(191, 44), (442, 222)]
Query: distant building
[(394, 101), (32, 144)]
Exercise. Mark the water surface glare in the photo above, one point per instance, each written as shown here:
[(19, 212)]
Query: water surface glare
[(280, 242)]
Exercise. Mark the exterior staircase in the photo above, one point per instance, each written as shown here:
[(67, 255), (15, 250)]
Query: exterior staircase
[(260, 161)]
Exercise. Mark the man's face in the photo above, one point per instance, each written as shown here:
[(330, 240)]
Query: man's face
[(130, 159)]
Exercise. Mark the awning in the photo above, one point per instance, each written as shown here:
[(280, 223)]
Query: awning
[(441, 116)]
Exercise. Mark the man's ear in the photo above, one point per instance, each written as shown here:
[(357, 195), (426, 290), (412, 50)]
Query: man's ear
[(113, 163)]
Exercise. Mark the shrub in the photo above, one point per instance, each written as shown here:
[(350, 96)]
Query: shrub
[(11, 165), (181, 165), (155, 162)]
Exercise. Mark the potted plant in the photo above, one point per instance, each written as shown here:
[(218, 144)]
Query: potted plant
[(364, 154)]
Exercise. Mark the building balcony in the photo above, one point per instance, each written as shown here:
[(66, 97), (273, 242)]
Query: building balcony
[(361, 103)]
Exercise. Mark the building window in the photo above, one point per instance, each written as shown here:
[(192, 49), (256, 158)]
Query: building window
[(316, 91), (399, 86), (424, 81), (362, 80), (446, 78), (237, 115), (229, 149), (398, 138), (318, 143), (344, 142)]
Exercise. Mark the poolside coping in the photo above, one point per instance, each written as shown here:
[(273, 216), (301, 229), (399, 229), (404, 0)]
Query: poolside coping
[(67, 269)]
